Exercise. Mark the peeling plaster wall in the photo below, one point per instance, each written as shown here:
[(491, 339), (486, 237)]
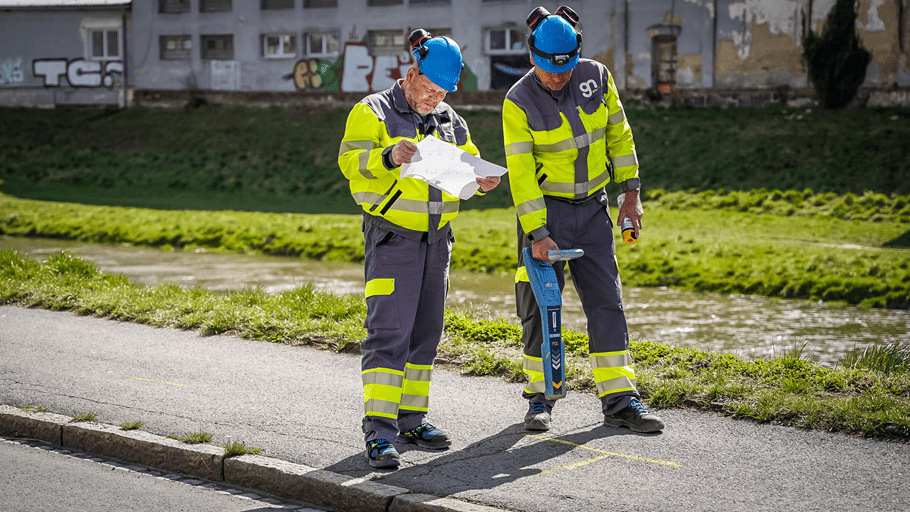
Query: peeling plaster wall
[(883, 42)]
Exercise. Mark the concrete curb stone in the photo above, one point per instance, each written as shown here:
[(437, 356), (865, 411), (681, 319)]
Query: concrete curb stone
[(197, 460), (274, 476), (312, 485), (42, 426)]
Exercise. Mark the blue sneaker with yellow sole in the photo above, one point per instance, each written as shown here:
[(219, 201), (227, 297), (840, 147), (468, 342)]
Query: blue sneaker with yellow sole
[(382, 454), (426, 436)]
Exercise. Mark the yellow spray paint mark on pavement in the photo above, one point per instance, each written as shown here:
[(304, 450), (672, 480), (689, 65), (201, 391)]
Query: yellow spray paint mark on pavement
[(157, 381), (603, 455)]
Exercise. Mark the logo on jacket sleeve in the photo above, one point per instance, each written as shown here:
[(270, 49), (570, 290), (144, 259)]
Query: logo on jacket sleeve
[(588, 88)]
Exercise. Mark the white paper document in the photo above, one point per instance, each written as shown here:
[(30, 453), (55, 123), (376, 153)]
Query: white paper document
[(449, 168)]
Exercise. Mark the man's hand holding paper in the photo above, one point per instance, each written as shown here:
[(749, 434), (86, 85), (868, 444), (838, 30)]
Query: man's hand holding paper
[(448, 168)]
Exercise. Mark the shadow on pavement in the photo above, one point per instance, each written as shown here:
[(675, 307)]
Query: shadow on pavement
[(501, 458)]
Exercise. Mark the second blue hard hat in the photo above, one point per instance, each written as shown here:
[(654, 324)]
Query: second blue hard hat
[(557, 39), (440, 60)]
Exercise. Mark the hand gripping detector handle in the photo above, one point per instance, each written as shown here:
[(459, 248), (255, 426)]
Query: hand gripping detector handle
[(628, 230), (546, 290)]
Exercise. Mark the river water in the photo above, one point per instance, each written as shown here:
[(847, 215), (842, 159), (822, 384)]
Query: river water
[(751, 327)]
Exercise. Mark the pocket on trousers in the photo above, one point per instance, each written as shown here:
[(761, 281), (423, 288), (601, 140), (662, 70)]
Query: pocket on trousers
[(444, 249), (394, 249), (382, 313)]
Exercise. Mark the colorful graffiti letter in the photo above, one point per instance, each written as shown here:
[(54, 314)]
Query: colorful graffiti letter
[(357, 66)]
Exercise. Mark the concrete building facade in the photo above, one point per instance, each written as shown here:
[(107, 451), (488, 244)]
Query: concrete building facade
[(50, 51)]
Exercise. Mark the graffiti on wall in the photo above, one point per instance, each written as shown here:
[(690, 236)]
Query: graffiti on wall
[(78, 72), (10, 71), (358, 71)]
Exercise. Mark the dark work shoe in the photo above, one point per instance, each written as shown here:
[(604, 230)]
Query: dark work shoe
[(636, 418), (538, 417), (382, 454), (426, 436)]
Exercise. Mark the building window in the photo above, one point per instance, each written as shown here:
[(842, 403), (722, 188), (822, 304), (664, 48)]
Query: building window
[(505, 41), (173, 6), (214, 5), (383, 3), (279, 46), (277, 4), (311, 4), (219, 47), (321, 44), (104, 44), (176, 47), (387, 42)]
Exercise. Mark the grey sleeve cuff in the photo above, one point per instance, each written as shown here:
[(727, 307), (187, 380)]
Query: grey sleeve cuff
[(630, 184), (387, 158), (538, 234)]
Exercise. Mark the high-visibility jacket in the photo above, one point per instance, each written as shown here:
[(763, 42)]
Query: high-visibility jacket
[(566, 143), (376, 124)]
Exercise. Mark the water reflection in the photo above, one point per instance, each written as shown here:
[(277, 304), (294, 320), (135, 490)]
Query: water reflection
[(747, 326)]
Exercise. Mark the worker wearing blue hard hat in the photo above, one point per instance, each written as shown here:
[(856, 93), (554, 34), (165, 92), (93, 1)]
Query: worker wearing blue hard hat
[(407, 243), (566, 136)]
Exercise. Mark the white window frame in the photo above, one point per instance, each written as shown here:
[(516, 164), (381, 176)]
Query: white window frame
[(282, 53), (186, 43), (487, 41), (90, 27), (309, 51), (394, 49)]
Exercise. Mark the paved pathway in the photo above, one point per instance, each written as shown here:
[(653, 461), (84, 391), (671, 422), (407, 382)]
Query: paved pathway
[(304, 405)]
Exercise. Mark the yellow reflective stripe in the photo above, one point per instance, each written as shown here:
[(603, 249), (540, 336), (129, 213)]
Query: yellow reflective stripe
[(522, 275), (583, 140), (575, 188), (614, 379), (421, 372), (611, 359), (363, 160), (351, 145), (382, 391), (530, 206), (519, 148), (415, 206), (381, 408), (533, 368), (624, 160), (616, 117), (379, 287), (367, 197)]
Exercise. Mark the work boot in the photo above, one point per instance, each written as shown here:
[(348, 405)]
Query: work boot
[(382, 454), (635, 417), (426, 436), (538, 417)]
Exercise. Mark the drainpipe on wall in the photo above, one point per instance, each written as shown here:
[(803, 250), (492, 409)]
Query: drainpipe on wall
[(714, 48), (625, 44), (124, 75)]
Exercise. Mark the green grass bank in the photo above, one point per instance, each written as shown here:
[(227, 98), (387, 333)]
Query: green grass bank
[(285, 160), (868, 395), (811, 257)]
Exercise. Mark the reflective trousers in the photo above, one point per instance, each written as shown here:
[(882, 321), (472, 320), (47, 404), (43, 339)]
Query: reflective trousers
[(406, 287), (585, 226)]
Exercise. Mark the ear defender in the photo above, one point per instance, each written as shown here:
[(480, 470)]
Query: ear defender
[(418, 39), (569, 15), (537, 15)]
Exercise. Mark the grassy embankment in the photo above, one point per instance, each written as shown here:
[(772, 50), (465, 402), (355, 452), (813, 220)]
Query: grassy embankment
[(788, 390), (837, 243)]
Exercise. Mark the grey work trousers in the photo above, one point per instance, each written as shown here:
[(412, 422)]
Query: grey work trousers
[(406, 325), (585, 226)]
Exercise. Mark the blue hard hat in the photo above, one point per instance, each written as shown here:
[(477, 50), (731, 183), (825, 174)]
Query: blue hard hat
[(555, 45), (440, 59)]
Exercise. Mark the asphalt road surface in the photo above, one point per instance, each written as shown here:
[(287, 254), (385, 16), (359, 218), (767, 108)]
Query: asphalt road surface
[(304, 405), (38, 478)]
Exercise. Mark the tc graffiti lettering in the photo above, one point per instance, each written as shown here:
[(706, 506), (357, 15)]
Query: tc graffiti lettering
[(78, 72)]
